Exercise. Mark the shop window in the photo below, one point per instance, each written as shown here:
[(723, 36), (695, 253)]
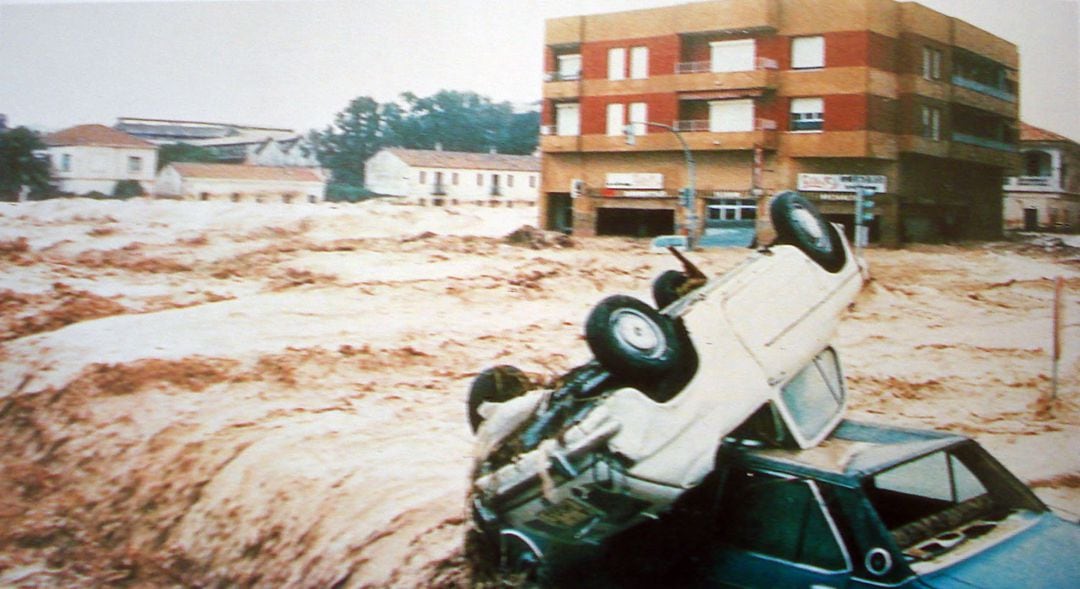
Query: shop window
[(807, 52), (807, 114)]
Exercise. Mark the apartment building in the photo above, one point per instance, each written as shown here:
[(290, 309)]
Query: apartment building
[(758, 96)]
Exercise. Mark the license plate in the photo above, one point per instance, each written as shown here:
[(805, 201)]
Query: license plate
[(568, 513)]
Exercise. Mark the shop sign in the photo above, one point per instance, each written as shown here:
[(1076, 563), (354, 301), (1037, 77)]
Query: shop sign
[(634, 181), (841, 182)]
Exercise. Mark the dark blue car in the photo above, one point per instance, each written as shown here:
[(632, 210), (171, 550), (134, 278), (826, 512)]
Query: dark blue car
[(872, 506)]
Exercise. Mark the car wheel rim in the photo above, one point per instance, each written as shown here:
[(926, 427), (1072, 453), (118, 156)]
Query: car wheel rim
[(637, 332), (810, 225)]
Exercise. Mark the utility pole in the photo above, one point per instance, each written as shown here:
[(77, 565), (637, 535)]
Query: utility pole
[(689, 195)]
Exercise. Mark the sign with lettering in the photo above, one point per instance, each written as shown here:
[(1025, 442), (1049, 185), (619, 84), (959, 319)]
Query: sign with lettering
[(634, 181), (841, 182)]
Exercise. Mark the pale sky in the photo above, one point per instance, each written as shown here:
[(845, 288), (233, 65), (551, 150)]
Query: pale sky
[(295, 64)]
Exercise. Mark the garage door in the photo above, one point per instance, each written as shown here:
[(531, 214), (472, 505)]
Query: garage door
[(635, 222)]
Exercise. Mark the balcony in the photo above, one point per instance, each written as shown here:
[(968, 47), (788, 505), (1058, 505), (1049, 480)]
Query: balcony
[(1033, 184), (559, 85), (983, 88), (702, 126), (986, 142), (698, 76), (703, 67)]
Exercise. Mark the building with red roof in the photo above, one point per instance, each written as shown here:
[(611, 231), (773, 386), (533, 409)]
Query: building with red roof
[(454, 177), (1046, 196), (95, 158)]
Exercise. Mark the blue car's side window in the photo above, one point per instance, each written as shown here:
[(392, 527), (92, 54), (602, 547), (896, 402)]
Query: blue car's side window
[(780, 518)]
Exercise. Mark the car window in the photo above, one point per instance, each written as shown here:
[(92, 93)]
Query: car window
[(920, 499), (939, 476), (778, 517), (815, 397)]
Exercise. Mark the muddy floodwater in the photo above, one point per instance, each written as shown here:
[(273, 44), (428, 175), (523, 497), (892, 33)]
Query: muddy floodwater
[(241, 394)]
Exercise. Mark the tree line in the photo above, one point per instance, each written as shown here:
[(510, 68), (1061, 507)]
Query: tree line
[(454, 121)]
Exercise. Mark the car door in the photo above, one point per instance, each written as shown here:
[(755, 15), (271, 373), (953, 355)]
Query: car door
[(773, 531)]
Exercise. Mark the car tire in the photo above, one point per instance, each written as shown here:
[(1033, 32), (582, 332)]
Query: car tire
[(496, 384), (665, 289), (798, 222), (632, 340)]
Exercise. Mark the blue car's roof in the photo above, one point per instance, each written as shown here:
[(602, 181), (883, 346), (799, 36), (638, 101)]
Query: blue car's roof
[(855, 450)]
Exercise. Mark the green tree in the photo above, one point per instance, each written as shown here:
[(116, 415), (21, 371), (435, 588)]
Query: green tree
[(183, 152), (357, 133), (19, 166)]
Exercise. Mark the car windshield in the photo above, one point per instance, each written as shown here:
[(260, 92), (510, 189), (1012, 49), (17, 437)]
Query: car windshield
[(815, 397)]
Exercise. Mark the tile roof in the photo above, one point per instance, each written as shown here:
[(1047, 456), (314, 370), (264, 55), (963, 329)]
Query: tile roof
[(1033, 133), (97, 135), (246, 172), (422, 158)]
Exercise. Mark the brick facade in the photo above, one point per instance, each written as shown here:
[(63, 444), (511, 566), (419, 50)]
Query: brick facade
[(904, 90)]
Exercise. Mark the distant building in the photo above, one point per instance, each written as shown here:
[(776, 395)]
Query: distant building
[(94, 158), (240, 183), (1046, 196), (236, 144), (454, 177), (824, 96), (3, 122)]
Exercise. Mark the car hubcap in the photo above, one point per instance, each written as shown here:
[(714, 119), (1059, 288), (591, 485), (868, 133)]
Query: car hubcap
[(809, 224), (638, 332)]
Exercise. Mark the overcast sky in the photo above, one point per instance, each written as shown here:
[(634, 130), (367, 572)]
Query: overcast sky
[(296, 63)]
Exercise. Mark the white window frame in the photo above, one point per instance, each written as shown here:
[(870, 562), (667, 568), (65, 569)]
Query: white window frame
[(731, 56), (718, 123), (639, 115), (639, 63), (616, 118), (808, 53), (931, 67), (616, 63), (807, 110), (568, 119), (569, 66), (931, 122)]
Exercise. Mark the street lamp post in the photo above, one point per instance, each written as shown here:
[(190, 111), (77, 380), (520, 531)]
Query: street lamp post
[(688, 199)]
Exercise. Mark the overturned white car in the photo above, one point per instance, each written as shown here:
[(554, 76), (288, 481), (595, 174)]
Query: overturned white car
[(744, 355)]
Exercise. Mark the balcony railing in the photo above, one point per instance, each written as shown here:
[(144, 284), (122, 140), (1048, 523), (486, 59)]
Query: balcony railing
[(562, 76), (1036, 183), (438, 190), (983, 88), (702, 126), (984, 142), (704, 67)]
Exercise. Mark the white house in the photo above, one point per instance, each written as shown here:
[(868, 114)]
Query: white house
[(238, 182), (454, 177), (89, 158), (1047, 195)]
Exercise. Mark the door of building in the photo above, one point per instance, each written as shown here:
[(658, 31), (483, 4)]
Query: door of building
[(1031, 219)]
